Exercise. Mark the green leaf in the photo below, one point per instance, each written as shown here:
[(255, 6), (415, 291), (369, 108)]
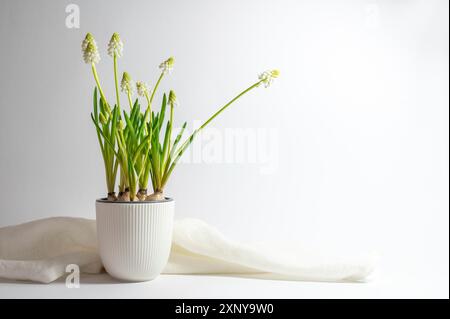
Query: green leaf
[(130, 126), (115, 116), (179, 153), (102, 107), (166, 146), (162, 112), (135, 111), (103, 135), (142, 123), (95, 105), (178, 138), (141, 147)]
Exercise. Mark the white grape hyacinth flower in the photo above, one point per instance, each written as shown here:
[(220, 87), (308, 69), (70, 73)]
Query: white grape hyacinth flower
[(142, 88), (91, 55), (167, 66), (268, 76), (90, 51), (115, 46), (87, 39), (126, 85)]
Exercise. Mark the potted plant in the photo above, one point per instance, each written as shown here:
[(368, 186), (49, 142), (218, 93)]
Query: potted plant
[(135, 228)]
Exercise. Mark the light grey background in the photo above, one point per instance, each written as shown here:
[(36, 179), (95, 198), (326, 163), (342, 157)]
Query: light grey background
[(361, 111)]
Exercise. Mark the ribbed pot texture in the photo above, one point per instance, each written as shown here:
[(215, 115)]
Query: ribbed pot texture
[(134, 239)]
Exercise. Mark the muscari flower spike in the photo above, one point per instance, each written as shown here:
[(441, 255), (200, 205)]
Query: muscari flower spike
[(126, 85), (89, 48), (268, 76), (115, 46), (103, 118), (87, 39), (120, 125), (167, 65), (142, 88), (173, 98)]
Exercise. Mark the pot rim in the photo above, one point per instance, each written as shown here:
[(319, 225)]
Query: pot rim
[(106, 201)]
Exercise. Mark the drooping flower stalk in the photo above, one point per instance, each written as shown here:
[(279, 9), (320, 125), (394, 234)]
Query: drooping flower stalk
[(265, 78)]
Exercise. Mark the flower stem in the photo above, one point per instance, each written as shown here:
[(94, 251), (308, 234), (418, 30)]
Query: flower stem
[(129, 100), (189, 140), (94, 71), (156, 87), (149, 106), (116, 81), (170, 127), (228, 104)]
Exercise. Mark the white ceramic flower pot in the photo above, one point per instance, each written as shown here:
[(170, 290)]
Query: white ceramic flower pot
[(134, 238)]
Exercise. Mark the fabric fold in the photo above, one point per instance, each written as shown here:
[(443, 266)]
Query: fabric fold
[(41, 250)]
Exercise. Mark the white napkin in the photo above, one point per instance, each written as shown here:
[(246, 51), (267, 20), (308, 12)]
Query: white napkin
[(40, 251)]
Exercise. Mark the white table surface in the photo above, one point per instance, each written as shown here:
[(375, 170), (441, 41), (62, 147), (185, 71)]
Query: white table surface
[(177, 286)]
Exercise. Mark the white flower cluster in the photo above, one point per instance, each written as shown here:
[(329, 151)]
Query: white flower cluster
[(126, 85), (89, 49), (167, 66), (268, 76), (115, 46), (142, 88)]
